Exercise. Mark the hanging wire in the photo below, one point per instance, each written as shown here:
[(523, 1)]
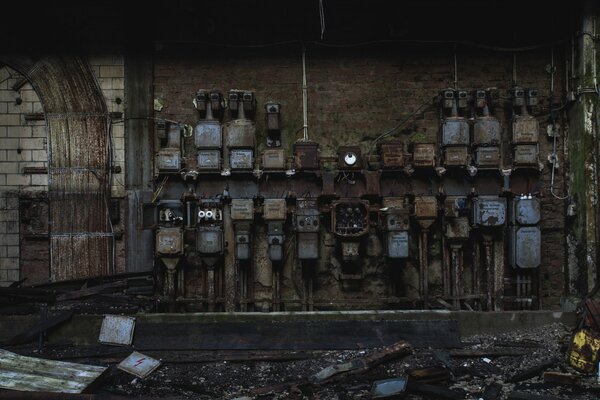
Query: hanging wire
[(322, 18), (553, 133)]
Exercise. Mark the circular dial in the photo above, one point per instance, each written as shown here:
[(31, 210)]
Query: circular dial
[(350, 159)]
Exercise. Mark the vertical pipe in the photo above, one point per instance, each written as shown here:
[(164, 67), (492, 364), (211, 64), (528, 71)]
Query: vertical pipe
[(446, 268), (476, 274), (229, 266), (210, 278), (423, 276), (487, 243), (304, 95)]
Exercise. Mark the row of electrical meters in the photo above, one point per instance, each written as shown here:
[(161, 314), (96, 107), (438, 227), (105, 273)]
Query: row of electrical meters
[(486, 212)]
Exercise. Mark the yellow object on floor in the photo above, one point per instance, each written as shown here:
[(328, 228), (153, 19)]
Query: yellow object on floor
[(584, 350)]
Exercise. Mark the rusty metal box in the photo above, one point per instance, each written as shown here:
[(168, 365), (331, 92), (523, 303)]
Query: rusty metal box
[(208, 134), (273, 159), (525, 154), (426, 207), (274, 209), (487, 157), (456, 156), (307, 220), (349, 157), (456, 206), (392, 154), (240, 133), (526, 211), (397, 244), (306, 155), (525, 129), (169, 241), (525, 247), (241, 159), (489, 211), (168, 160), (455, 131), (457, 228), (308, 245), (242, 243), (486, 131), (209, 159), (209, 240), (273, 116), (424, 155), (242, 209)]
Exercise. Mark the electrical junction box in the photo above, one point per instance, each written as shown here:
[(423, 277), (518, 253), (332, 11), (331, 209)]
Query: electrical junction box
[(456, 206), (426, 207), (240, 133), (397, 244), (423, 155), (241, 159), (273, 115), (273, 159), (208, 134), (455, 131), (486, 131), (307, 220), (169, 241), (526, 211), (242, 243), (274, 209), (457, 228), (209, 240), (489, 211), (275, 240), (306, 155), (168, 160), (392, 155), (397, 220), (349, 157), (242, 209), (487, 157), (526, 129), (457, 156), (209, 159), (308, 245), (525, 155), (525, 249)]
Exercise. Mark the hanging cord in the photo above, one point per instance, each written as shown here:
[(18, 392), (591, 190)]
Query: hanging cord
[(322, 18), (401, 123), (552, 68)]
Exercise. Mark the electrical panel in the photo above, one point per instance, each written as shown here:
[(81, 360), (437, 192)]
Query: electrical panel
[(392, 155), (425, 207), (396, 224), (241, 159), (275, 240), (456, 213), (273, 116), (169, 241), (350, 218), (209, 240), (273, 159), (487, 157), (306, 155), (489, 211), (242, 209), (208, 134), (307, 227), (209, 160), (525, 128), (456, 156), (525, 235), (274, 209), (423, 155), (456, 133), (169, 160), (487, 133), (242, 241)]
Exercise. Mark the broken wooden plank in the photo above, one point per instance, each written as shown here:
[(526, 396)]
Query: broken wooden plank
[(532, 371), (40, 326), (23, 373), (436, 392), (94, 290), (561, 378), (361, 365), (469, 353), (294, 335)]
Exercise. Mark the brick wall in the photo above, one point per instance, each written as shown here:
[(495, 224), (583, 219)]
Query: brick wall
[(24, 144), (355, 95)]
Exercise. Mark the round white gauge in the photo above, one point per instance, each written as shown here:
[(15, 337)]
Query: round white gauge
[(350, 159)]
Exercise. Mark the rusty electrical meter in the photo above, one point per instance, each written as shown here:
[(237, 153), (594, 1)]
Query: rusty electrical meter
[(489, 211), (425, 207), (242, 213), (307, 229), (525, 235), (392, 154), (456, 212), (209, 236), (350, 221), (273, 159), (349, 157), (169, 241), (487, 133), (306, 155), (209, 160), (525, 128), (168, 158), (455, 135), (240, 135)]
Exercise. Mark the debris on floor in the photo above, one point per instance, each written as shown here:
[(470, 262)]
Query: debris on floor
[(139, 364)]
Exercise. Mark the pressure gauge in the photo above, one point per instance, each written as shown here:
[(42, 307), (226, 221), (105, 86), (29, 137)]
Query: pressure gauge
[(350, 159)]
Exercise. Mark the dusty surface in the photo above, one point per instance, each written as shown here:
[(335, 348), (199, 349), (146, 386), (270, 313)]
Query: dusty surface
[(228, 380)]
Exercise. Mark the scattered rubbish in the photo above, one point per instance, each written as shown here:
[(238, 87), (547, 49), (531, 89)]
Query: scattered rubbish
[(35, 374), (486, 360), (492, 392), (532, 371), (139, 364), (117, 330), (388, 387), (477, 353)]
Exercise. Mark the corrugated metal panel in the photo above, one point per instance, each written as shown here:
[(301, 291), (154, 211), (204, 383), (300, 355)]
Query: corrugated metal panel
[(35, 374), (81, 240)]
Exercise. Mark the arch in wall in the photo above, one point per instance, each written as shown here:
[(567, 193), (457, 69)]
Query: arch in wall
[(78, 123)]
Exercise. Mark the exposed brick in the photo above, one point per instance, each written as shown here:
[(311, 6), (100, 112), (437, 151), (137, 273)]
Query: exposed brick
[(19, 131), (18, 180), (33, 143), (39, 179), (9, 168)]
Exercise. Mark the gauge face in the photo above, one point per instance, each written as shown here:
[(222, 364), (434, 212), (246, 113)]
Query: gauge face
[(350, 159)]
